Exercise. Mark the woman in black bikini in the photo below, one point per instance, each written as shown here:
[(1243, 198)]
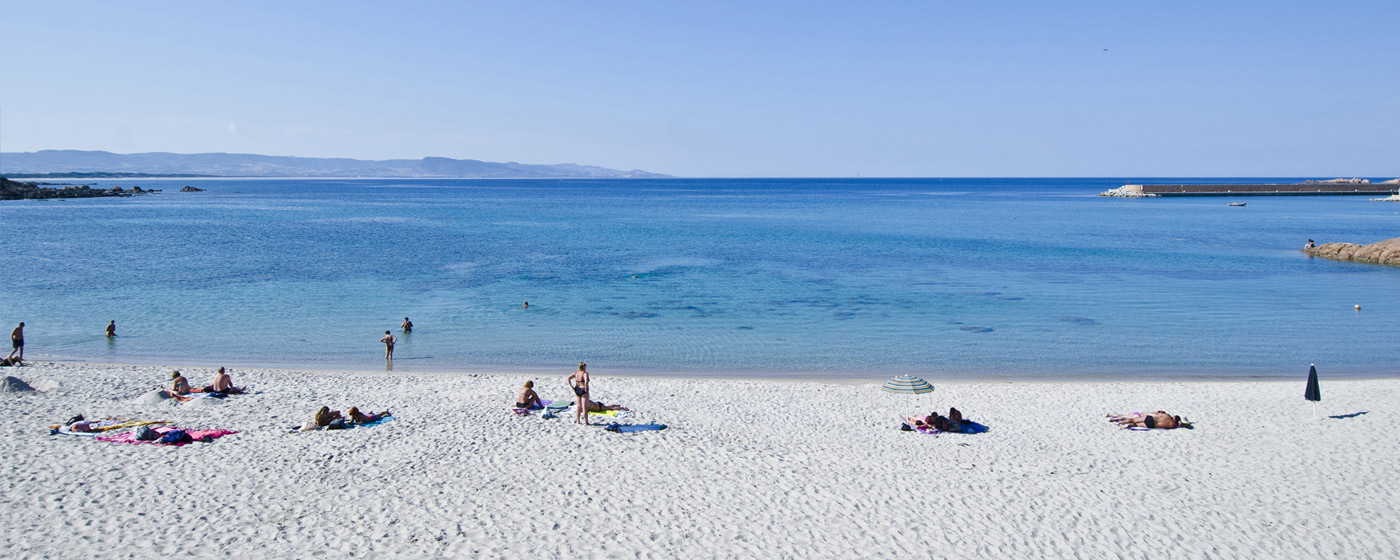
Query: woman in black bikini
[(578, 381), (528, 399)]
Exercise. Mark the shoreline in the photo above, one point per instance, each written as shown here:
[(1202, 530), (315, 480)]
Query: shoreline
[(755, 468), (836, 377)]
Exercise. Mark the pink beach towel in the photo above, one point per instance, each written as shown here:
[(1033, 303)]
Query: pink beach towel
[(130, 437)]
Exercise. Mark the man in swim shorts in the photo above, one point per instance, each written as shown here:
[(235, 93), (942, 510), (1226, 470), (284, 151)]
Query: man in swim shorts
[(17, 341), (388, 341)]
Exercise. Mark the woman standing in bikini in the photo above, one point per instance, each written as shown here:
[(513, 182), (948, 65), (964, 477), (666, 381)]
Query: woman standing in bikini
[(578, 381)]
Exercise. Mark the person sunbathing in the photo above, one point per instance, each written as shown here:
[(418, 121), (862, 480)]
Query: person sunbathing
[(325, 416), (356, 417), (596, 406), (528, 399), (935, 421), (179, 386), (223, 383), (1152, 420)]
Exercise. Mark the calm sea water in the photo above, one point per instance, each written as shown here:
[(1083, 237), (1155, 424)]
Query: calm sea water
[(833, 278)]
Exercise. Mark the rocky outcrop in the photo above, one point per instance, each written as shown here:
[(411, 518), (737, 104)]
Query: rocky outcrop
[(15, 190), (1390, 182), (1385, 252), (191, 189), (1126, 191)]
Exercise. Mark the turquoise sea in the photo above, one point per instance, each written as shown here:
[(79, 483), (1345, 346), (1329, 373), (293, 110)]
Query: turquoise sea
[(835, 278)]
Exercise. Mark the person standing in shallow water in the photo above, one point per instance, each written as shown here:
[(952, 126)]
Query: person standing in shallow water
[(388, 341), (17, 342), (112, 328), (407, 325), (578, 381)]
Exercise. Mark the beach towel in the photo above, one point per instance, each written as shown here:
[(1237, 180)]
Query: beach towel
[(523, 411), (630, 428), (195, 436), (612, 413), (350, 426)]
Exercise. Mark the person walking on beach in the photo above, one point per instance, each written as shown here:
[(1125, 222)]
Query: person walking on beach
[(388, 341), (407, 326), (112, 328), (17, 342), (578, 381)]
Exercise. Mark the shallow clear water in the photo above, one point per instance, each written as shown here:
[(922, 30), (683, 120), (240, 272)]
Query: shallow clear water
[(837, 278)]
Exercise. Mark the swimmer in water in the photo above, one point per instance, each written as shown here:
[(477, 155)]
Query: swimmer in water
[(112, 328), (407, 325), (388, 341)]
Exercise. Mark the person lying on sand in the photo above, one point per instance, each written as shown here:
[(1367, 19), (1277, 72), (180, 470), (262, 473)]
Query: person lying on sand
[(934, 421), (325, 416), (10, 362), (528, 399), (357, 417), (596, 406), (1158, 420)]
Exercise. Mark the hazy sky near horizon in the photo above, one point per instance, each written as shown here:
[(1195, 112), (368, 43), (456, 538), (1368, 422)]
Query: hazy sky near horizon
[(928, 89)]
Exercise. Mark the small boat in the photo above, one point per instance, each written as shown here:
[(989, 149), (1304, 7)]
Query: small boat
[(1237, 204)]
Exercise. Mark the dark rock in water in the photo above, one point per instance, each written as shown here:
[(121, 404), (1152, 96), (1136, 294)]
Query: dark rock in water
[(14, 385), (975, 329), (1079, 321), (15, 190), (1385, 252), (191, 189)]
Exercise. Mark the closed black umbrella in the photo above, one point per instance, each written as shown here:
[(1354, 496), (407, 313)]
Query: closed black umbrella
[(1312, 393)]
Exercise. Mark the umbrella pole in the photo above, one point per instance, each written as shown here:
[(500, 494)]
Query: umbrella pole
[(1314, 411)]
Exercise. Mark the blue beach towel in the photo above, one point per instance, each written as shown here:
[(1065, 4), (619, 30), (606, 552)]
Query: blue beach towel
[(629, 428)]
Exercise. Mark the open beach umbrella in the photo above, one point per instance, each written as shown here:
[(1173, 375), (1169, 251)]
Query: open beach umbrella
[(1312, 393), (907, 384)]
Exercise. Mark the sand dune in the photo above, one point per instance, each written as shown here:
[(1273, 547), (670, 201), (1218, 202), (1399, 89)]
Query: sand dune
[(745, 469)]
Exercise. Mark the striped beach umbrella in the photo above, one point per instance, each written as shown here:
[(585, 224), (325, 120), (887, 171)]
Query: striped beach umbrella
[(907, 384)]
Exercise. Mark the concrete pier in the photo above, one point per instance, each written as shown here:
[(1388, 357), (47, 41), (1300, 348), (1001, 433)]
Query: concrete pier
[(1295, 189)]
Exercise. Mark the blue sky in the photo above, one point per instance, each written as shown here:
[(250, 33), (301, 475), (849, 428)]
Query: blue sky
[(925, 89)]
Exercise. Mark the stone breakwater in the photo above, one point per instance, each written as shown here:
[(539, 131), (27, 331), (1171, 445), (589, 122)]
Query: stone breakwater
[(1385, 252), (1295, 189)]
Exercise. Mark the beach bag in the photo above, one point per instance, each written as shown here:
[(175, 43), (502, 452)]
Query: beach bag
[(145, 433), (174, 438), (337, 424)]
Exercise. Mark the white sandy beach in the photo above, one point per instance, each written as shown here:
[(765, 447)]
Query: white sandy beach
[(768, 469)]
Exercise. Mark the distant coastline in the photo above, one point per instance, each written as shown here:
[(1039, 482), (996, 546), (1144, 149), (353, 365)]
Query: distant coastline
[(100, 164), (104, 175)]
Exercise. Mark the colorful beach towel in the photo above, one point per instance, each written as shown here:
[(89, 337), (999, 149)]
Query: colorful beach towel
[(612, 413), (195, 435)]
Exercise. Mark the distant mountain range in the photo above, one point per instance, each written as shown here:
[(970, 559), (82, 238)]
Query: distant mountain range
[(23, 164)]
